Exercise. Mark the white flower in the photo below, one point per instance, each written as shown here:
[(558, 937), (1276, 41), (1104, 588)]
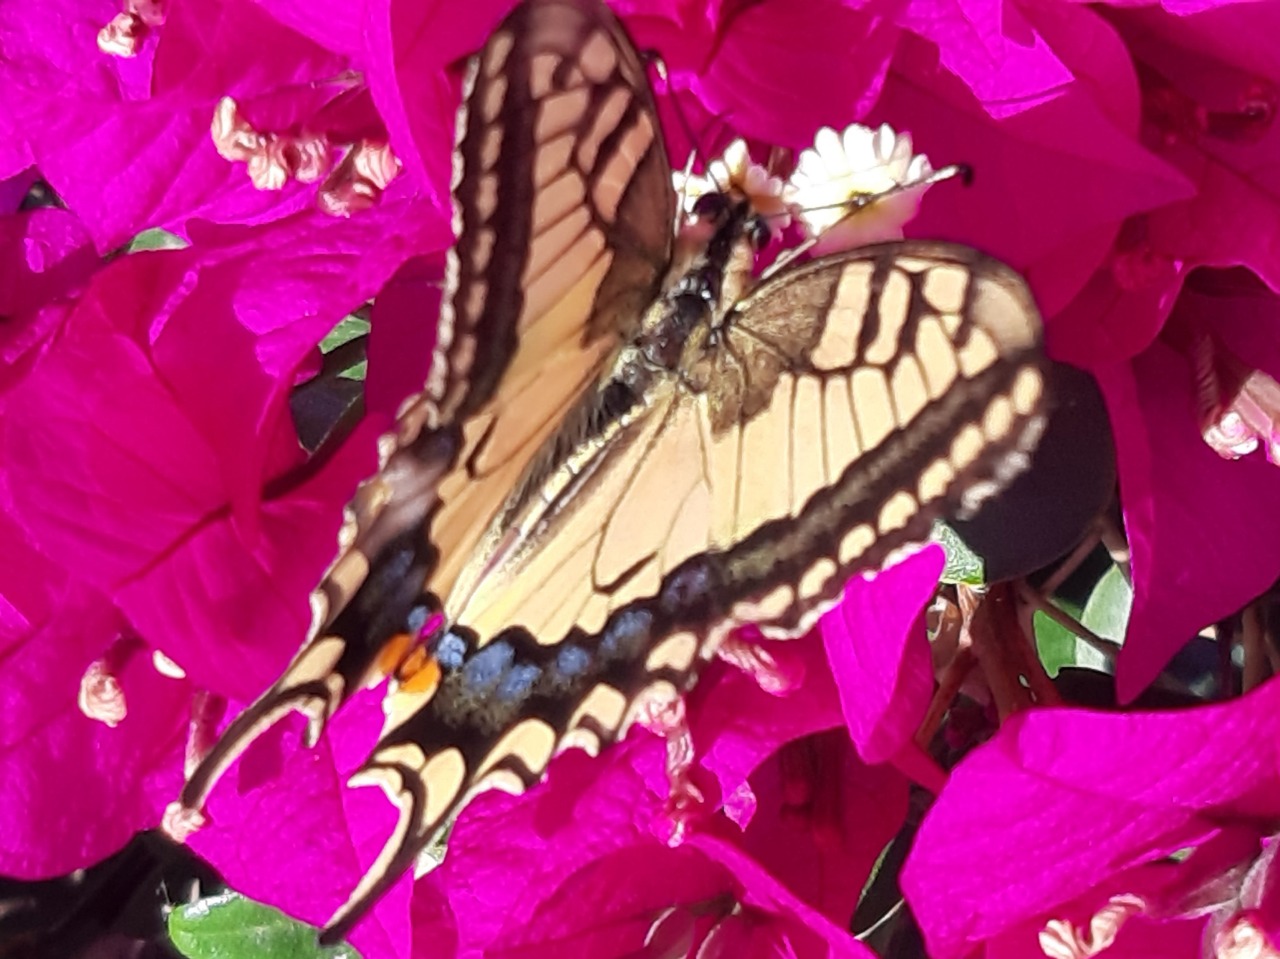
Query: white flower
[(857, 187), (736, 175)]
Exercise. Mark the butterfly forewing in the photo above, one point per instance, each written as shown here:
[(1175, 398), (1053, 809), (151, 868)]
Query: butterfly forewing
[(563, 206), (904, 383)]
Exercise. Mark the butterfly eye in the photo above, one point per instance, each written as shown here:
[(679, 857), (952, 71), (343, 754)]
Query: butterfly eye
[(710, 206), (758, 233)]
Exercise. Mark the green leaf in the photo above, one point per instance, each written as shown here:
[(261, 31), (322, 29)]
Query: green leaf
[(156, 239), (357, 372), (962, 565), (1055, 643), (229, 926), (350, 327), (1107, 611)]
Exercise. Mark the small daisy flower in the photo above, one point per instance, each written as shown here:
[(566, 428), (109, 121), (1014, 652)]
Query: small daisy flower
[(734, 173), (836, 184)]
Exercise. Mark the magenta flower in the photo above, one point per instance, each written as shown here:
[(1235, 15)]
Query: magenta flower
[(76, 787), (123, 133), (879, 654), (155, 496), (290, 833), (1208, 86), (138, 449), (1043, 824), (1194, 559)]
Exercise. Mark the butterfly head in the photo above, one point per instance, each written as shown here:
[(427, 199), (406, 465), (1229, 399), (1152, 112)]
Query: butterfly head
[(725, 213)]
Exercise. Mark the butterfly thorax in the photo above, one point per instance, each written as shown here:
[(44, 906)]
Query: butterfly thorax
[(711, 271)]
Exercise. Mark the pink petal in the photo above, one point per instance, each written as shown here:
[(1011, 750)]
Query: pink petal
[(809, 79), (1163, 782), (775, 912), (231, 608), (1085, 135), (1218, 61), (75, 789), (1119, 311), (284, 828), (566, 835), (823, 820), (128, 151), (336, 26), (993, 49), (410, 47), (45, 261), (141, 444), (402, 334), (736, 725), (587, 809), (1139, 938), (291, 281), (1204, 533), (574, 866), (100, 462), (879, 654)]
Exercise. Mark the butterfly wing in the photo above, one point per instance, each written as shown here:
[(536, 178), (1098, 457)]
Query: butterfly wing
[(563, 208), (853, 401)]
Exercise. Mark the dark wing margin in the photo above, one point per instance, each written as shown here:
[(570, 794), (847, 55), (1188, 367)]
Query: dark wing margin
[(358, 609)]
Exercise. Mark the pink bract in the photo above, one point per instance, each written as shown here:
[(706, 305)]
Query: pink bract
[(1044, 813)]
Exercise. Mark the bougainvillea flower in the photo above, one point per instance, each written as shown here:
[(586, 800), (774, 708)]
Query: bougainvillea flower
[(286, 830), (126, 142), (411, 48), (1227, 323), (137, 450), (76, 788), (1042, 816), (1204, 532), (1211, 88), (1083, 132), (879, 654), (800, 807), (149, 452), (1209, 97)]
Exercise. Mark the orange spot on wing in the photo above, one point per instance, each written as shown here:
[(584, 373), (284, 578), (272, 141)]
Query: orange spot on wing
[(396, 653), (420, 673)]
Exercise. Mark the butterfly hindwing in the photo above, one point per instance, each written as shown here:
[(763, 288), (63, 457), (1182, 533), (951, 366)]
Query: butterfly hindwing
[(563, 206)]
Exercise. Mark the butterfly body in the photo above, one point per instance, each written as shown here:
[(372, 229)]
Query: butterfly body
[(628, 445)]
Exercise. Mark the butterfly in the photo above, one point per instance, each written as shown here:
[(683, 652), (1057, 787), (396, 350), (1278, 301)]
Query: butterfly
[(629, 445)]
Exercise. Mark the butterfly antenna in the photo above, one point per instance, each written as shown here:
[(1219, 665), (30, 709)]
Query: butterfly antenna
[(655, 60), (854, 204), (684, 189)]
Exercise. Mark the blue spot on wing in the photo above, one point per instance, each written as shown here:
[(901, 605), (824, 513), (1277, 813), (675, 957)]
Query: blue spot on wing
[(450, 651), (417, 619), (572, 661), (518, 682), (485, 669), (626, 634)]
